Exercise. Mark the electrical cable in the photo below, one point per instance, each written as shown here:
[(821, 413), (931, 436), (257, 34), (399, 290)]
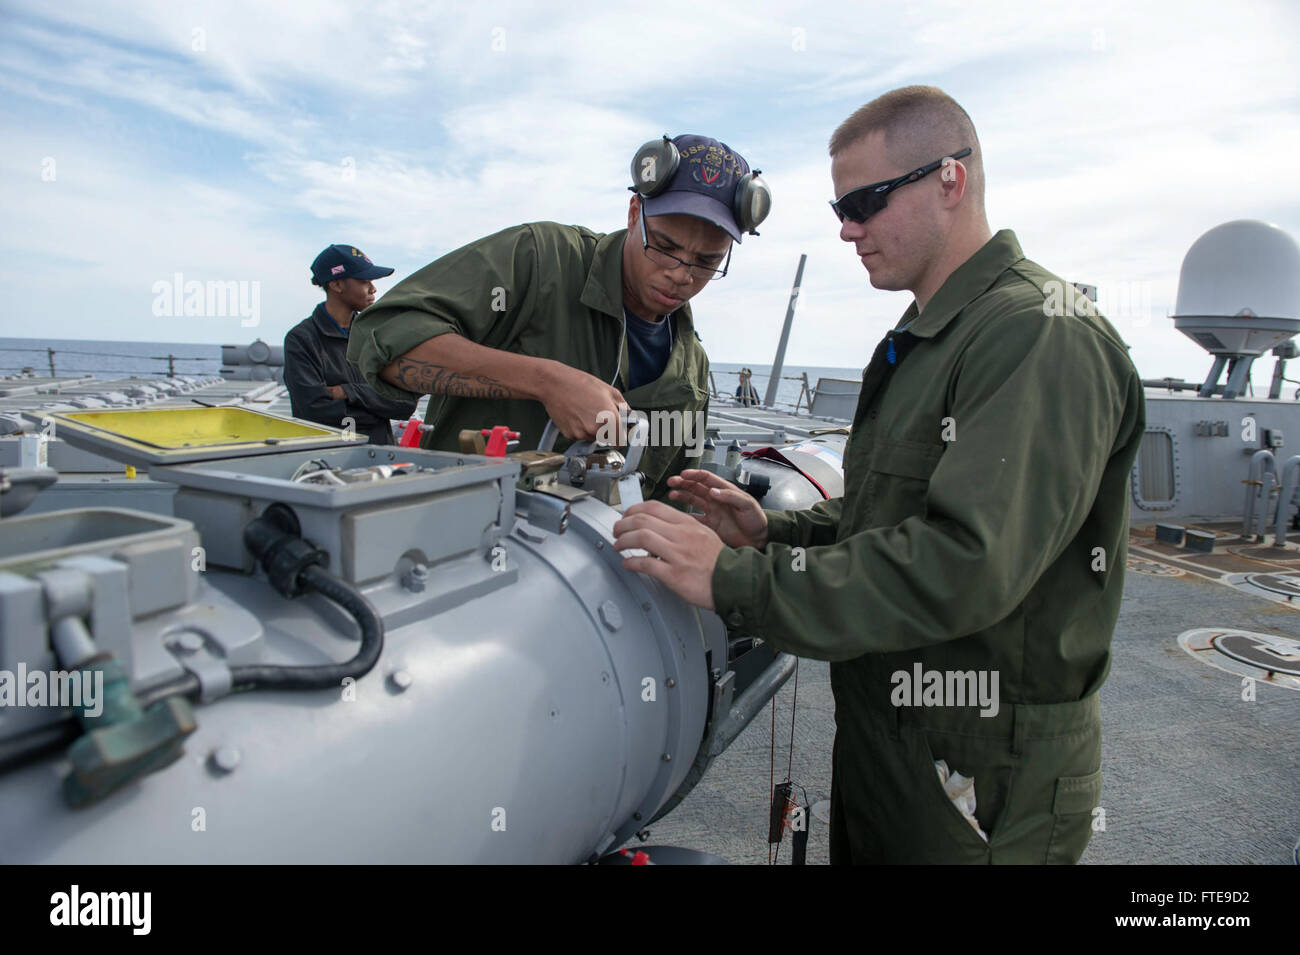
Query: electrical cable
[(774, 857), (293, 567)]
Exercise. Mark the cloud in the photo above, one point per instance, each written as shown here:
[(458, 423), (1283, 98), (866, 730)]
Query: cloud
[(1114, 135)]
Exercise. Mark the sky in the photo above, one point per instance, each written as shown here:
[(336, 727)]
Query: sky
[(230, 142)]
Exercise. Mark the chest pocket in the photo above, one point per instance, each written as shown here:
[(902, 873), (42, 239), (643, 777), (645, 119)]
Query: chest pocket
[(899, 476)]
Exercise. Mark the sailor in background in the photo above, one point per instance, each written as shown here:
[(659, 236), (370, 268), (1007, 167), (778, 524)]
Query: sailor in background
[(745, 390), (323, 387), (547, 322), (982, 535)]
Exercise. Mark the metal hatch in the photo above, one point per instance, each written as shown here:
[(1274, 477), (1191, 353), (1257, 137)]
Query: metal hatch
[(146, 437)]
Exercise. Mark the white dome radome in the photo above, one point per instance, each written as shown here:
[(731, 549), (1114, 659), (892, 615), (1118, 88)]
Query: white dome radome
[(1239, 290), (1242, 268)]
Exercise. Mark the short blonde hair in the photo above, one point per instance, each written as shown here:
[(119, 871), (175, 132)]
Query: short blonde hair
[(921, 124)]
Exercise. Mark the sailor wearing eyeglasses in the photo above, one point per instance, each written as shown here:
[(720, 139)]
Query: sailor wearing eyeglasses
[(557, 325), (966, 586)]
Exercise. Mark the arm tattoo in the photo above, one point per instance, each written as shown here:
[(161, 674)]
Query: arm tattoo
[(424, 377)]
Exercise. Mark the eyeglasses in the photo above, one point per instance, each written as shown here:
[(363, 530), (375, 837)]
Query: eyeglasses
[(863, 203), (666, 260)]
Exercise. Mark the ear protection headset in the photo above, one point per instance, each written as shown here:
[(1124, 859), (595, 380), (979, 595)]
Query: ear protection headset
[(655, 164)]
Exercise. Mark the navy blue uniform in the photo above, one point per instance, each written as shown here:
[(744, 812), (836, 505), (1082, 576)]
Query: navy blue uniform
[(316, 357)]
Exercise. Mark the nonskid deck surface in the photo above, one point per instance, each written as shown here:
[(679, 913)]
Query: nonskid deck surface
[(1192, 773)]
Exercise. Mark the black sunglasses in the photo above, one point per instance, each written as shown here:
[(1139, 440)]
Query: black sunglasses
[(861, 204)]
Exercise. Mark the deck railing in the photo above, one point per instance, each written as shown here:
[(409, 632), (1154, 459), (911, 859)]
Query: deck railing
[(54, 370), (806, 391)]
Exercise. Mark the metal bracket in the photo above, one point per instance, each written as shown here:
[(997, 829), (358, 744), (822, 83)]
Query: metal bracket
[(548, 507), (215, 678), (638, 434)]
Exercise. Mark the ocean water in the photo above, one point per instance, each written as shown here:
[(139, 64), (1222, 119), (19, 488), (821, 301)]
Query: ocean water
[(726, 379), (108, 359)]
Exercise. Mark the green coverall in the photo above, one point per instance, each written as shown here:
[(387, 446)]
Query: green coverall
[(983, 527), (545, 290)]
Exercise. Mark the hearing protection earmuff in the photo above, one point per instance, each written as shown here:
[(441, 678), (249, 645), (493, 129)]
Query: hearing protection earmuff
[(655, 164)]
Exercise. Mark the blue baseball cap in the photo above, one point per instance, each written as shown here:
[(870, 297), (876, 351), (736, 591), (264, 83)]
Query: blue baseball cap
[(704, 184), (345, 262)]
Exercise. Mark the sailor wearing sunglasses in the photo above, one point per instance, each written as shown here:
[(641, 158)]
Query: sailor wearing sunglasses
[(981, 536)]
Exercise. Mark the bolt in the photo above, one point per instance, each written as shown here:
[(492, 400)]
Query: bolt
[(667, 757), (611, 616), (189, 641), (670, 683), (416, 578), (600, 545), (400, 679), (225, 758)]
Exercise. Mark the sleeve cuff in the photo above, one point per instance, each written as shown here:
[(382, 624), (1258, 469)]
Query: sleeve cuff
[(780, 527), (735, 591)]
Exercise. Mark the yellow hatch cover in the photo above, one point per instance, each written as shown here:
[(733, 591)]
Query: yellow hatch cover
[(171, 435)]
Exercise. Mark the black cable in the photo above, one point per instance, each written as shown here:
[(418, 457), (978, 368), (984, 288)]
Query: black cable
[(36, 743), (186, 685), (308, 578), (292, 565), (265, 677)]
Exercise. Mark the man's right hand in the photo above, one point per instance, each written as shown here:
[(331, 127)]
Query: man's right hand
[(580, 403), (336, 391), (730, 512)]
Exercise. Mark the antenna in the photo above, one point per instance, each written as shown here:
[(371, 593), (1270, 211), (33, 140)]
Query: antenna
[(1239, 296), (779, 361)]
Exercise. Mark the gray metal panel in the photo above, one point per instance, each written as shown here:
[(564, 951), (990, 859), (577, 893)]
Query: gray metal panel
[(439, 526), (62, 457), (1210, 467), (85, 491), (32, 541), (220, 519), (836, 398), (271, 475)]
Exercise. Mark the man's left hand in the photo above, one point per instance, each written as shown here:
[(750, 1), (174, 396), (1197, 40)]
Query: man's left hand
[(685, 549)]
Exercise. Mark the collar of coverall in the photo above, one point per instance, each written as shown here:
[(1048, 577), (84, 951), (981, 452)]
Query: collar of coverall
[(971, 280), (604, 288)]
